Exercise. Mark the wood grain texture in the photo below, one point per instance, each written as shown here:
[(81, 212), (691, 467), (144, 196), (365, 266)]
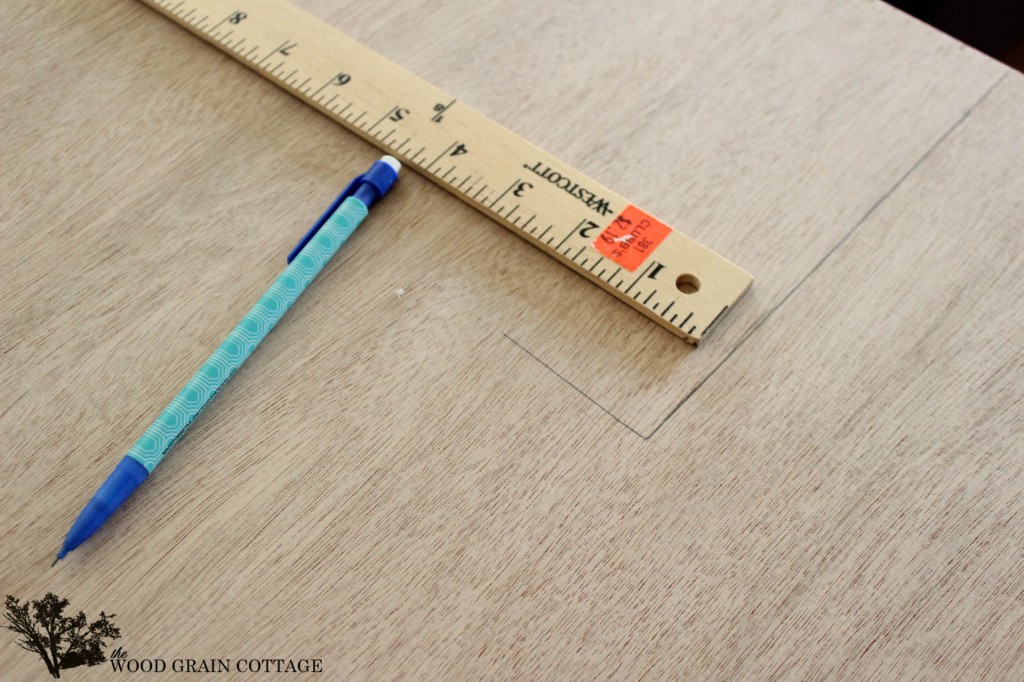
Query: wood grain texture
[(412, 488)]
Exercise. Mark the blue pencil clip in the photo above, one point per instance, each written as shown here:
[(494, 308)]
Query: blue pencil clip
[(368, 188)]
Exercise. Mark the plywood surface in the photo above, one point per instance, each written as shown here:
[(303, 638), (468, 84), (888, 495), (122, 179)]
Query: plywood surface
[(478, 480)]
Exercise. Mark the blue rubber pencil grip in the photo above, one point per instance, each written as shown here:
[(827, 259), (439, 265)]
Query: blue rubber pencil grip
[(120, 484)]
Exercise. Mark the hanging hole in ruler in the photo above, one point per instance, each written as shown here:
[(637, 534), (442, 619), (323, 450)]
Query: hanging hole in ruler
[(687, 283)]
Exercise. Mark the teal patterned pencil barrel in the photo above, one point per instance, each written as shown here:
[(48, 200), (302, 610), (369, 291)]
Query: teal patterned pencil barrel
[(308, 258), (243, 339)]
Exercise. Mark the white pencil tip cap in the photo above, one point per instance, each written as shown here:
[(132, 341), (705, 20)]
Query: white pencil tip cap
[(395, 164)]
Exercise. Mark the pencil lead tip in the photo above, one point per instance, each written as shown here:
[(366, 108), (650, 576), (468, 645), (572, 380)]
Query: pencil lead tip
[(55, 562)]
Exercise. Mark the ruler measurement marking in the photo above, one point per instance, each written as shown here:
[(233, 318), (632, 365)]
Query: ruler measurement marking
[(639, 276), (572, 231), (446, 150), (217, 25), (710, 324), (326, 83), (437, 118), (514, 182), (273, 52), (320, 56), (379, 120)]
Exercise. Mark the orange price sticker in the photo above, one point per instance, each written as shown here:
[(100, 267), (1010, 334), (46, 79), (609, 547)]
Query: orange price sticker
[(631, 238)]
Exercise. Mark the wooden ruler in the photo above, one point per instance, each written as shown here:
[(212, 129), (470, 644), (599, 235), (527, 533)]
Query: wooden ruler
[(667, 276)]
